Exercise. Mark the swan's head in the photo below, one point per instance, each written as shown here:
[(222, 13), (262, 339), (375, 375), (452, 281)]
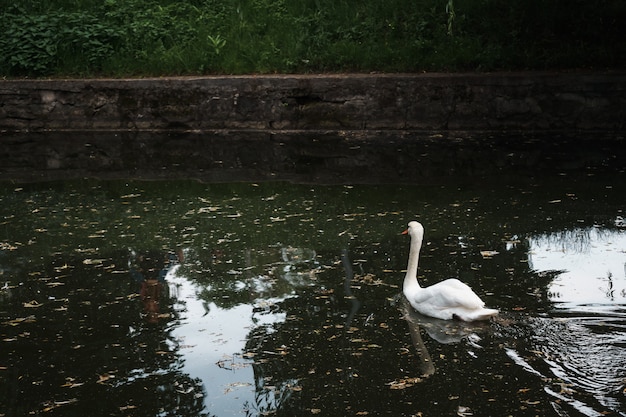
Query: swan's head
[(415, 230)]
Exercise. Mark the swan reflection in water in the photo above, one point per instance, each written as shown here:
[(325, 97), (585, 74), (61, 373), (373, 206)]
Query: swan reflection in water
[(442, 331)]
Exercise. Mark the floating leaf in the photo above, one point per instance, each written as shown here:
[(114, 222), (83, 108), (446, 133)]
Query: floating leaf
[(33, 304), (404, 383), (20, 320), (8, 246), (463, 411), (233, 385), (128, 407), (71, 384), (104, 378)]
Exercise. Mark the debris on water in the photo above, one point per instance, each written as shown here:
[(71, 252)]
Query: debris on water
[(234, 385), (464, 411), (404, 383)]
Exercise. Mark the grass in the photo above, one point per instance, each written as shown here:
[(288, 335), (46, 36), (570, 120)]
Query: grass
[(172, 37)]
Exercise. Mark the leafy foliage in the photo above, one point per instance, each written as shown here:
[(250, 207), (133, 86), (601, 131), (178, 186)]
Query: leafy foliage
[(157, 37), (38, 44)]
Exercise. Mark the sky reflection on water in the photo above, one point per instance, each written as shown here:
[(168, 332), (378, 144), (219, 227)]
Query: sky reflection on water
[(214, 341), (592, 265)]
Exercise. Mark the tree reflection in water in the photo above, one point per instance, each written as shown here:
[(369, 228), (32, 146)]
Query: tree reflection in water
[(88, 351)]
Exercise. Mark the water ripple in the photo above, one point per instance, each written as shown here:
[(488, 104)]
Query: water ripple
[(585, 357)]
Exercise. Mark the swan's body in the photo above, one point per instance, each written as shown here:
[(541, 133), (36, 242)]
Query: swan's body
[(445, 300)]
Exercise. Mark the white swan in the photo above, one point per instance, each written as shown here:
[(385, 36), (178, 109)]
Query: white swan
[(445, 300)]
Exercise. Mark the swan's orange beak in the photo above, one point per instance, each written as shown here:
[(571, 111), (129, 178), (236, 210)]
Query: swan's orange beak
[(406, 232)]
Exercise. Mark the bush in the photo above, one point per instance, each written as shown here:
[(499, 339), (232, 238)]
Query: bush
[(55, 41), (162, 37)]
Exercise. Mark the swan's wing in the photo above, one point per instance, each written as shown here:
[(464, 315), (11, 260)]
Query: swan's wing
[(455, 283), (454, 294)]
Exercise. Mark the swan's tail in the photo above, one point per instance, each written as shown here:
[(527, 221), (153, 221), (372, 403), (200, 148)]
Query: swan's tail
[(476, 315)]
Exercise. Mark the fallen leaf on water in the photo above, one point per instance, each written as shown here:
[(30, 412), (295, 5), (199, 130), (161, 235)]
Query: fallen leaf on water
[(464, 411), (93, 261), (104, 378), (128, 407), (20, 320), (72, 384), (56, 404), (7, 246), (32, 304), (233, 385), (404, 383)]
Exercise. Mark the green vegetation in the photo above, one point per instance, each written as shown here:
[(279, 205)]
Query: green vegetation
[(169, 37)]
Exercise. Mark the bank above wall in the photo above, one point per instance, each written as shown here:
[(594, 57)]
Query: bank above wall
[(409, 102)]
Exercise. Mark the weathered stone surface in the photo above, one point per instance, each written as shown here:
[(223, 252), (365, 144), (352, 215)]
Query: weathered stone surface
[(337, 102)]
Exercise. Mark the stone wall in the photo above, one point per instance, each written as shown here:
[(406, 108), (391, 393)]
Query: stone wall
[(332, 128), (431, 102)]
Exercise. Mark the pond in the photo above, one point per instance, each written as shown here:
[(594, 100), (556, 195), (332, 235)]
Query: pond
[(181, 298)]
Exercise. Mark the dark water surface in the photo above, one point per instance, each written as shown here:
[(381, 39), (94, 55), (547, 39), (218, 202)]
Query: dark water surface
[(176, 298)]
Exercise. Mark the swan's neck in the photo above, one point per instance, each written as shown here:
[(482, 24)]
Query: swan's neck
[(410, 279)]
